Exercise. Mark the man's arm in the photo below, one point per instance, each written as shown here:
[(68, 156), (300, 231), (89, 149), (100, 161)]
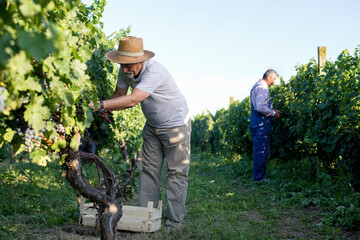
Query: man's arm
[(261, 104), (119, 92), (260, 100), (120, 102)]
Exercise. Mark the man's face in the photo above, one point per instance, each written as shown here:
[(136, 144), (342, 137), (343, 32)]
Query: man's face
[(132, 69), (271, 79)]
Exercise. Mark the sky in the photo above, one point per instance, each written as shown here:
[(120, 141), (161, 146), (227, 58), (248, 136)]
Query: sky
[(218, 49)]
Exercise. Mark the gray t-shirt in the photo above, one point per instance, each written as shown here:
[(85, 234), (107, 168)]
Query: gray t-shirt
[(166, 107)]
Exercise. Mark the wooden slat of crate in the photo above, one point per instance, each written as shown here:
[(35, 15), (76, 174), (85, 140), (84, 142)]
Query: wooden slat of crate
[(128, 224), (137, 219), (148, 213)]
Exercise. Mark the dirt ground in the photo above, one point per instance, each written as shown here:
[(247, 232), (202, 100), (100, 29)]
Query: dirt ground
[(78, 232), (290, 227)]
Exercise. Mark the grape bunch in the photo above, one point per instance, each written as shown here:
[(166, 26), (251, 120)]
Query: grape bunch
[(56, 115), (60, 129), (32, 138), (79, 110), (88, 146)]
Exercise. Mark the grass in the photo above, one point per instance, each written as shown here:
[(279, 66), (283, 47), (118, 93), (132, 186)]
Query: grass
[(222, 203)]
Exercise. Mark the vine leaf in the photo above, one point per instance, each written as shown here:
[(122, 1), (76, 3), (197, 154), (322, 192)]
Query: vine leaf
[(37, 45), (36, 113), (19, 64), (87, 120), (8, 136), (29, 8), (29, 84), (40, 157)]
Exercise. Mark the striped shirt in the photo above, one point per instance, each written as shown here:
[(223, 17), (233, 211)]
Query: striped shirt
[(260, 97)]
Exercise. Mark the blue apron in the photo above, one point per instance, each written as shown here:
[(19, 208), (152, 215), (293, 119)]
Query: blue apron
[(260, 127)]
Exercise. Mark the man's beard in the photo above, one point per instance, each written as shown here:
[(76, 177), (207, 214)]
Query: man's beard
[(130, 74)]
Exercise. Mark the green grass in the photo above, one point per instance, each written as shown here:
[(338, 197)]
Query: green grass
[(32, 195), (222, 203)]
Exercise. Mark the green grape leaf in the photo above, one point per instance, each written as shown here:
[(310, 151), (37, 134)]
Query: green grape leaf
[(87, 120), (74, 143), (4, 43), (76, 91), (8, 136), (37, 44), (62, 66), (67, 116), (29, 84), (50, 6), (58, 145), (40, 157), (19, 64), (50, 128), (85, 52), (28, 8), (36, 113), (68, 99), (78, 68), (48, 65), (63, 159)]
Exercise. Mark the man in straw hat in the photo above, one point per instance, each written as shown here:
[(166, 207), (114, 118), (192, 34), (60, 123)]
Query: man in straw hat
[(167, 130)]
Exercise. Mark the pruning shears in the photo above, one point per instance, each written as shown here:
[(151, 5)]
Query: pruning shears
[(103, 114)]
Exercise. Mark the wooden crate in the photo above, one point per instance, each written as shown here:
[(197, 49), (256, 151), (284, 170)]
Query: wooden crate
[(135, 219)]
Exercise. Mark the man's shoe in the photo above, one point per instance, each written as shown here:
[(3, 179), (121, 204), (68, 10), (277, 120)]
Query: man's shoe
[(263, 180), (171, 224)]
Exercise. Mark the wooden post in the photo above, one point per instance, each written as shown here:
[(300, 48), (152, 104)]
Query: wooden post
[(321, 58), (231, 100)]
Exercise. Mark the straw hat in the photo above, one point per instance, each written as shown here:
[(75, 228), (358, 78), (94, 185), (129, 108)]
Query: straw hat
[(130, 51)]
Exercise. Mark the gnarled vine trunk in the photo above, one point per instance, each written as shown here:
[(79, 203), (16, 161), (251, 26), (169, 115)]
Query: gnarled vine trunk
[(110, 211)]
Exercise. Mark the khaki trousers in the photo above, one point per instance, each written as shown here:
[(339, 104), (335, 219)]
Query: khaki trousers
[(172, 144)]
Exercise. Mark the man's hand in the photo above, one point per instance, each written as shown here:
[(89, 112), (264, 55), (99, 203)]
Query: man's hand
[(104, 115), (277, 114), (91, 104)]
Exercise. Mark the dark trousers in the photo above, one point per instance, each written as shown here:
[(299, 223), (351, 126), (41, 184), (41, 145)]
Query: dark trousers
[(261, 134)]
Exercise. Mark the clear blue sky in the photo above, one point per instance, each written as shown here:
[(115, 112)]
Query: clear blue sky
[(217, 49)]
